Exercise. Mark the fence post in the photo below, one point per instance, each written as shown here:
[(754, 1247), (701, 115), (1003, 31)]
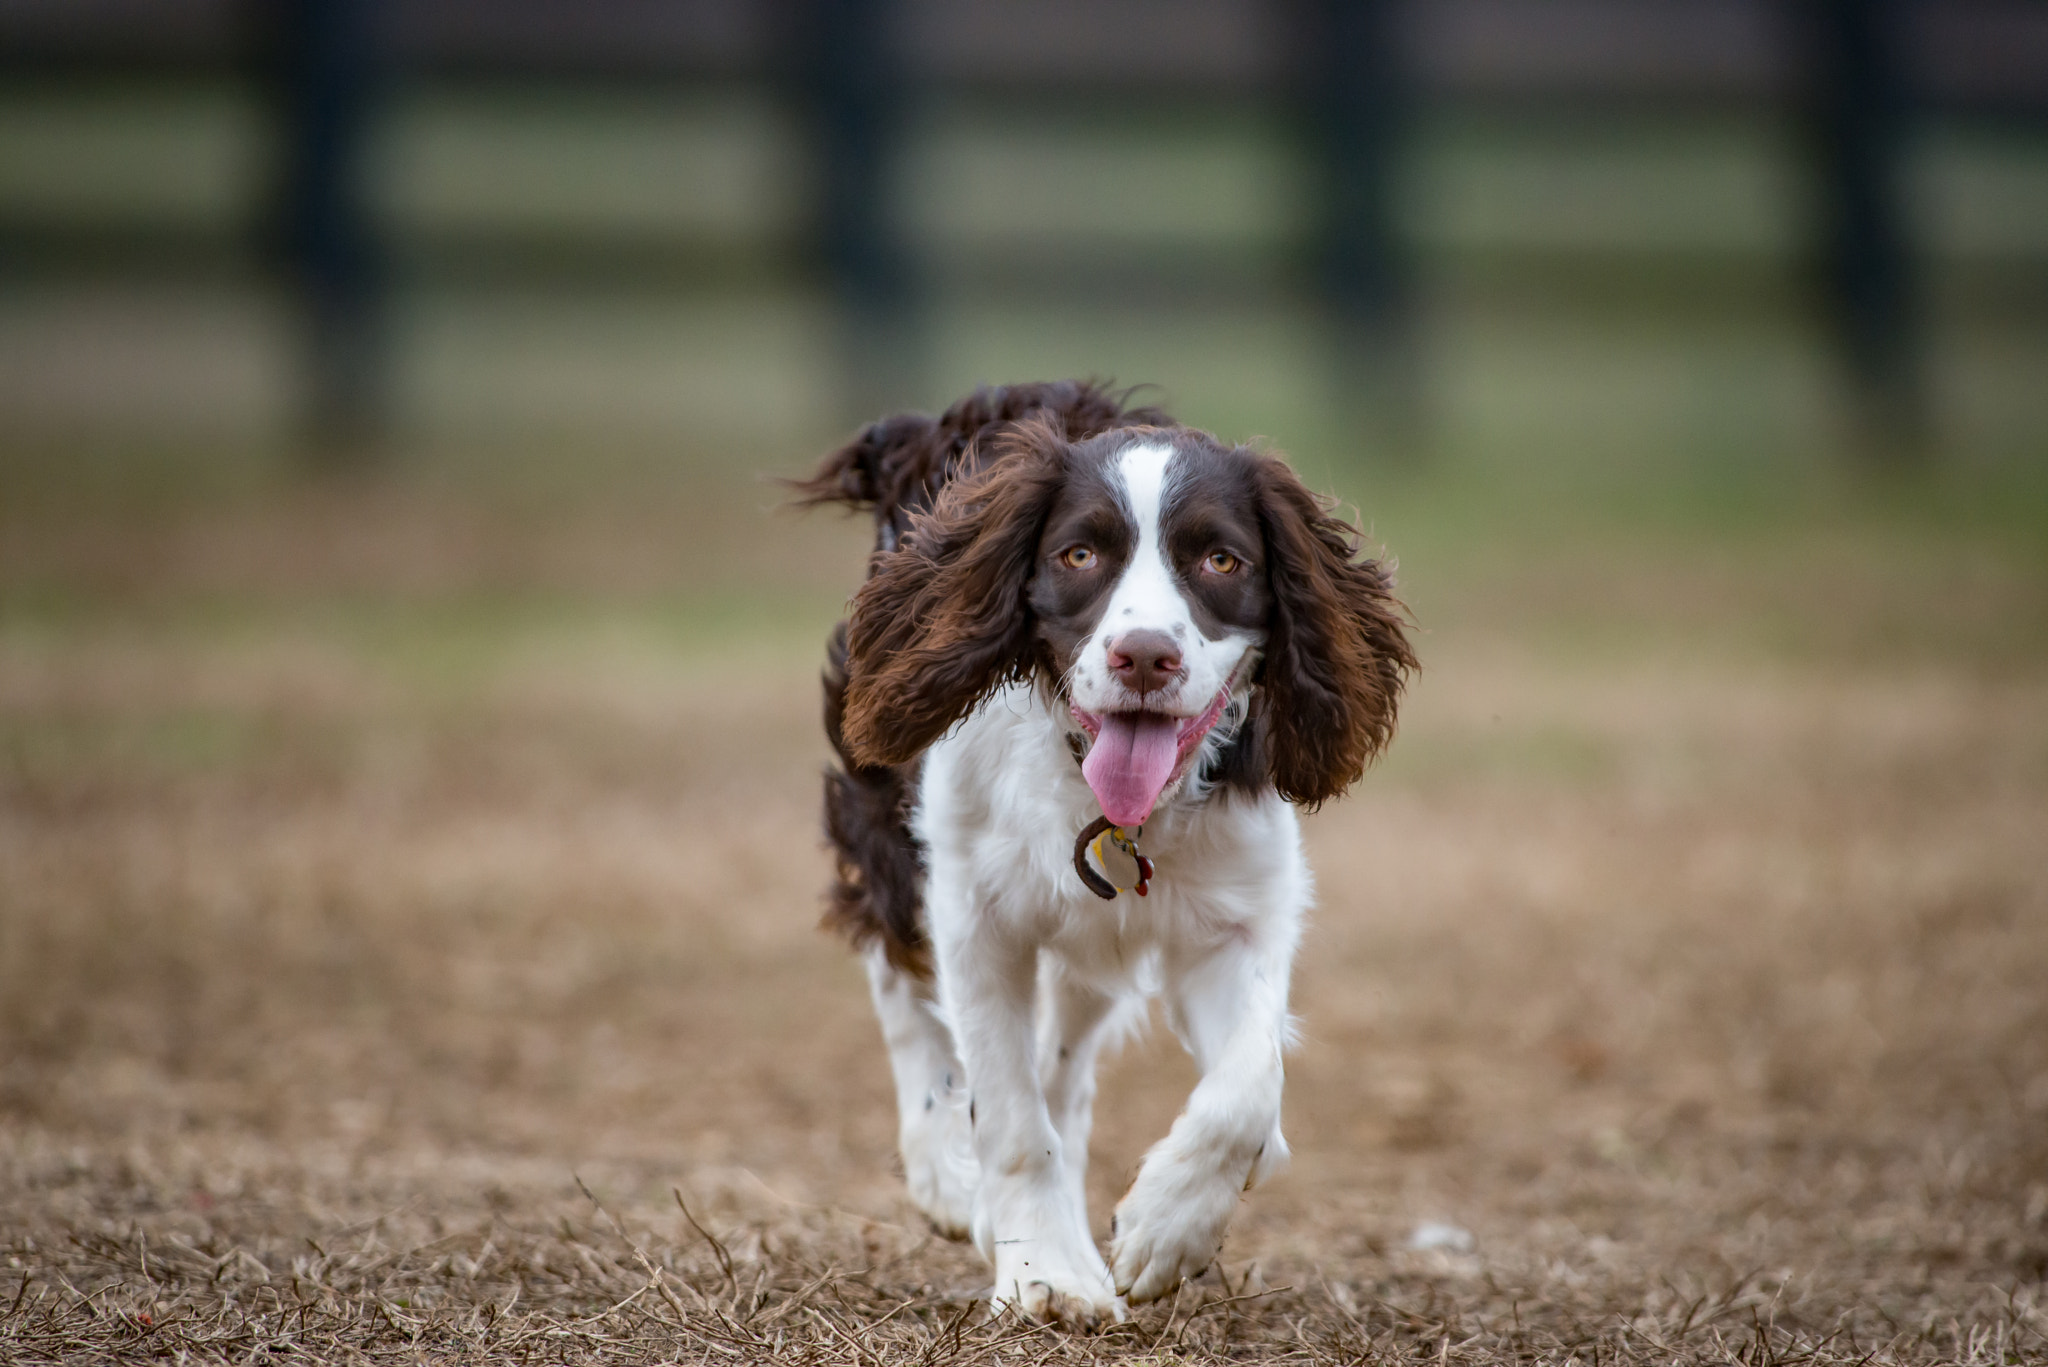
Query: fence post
[(854, 93), (1857, 114), (323, 72), (1356, 94)]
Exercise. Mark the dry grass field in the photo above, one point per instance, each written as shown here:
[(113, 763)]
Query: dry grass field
[(407, 903)]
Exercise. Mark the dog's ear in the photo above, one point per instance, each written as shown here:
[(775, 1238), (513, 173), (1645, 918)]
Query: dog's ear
[(942, 621), (1337, 654)]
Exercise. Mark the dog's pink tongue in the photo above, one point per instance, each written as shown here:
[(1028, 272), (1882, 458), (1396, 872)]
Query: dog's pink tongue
[(1130, 763)]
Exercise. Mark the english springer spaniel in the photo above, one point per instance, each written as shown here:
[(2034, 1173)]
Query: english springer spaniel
[(1099, 660)]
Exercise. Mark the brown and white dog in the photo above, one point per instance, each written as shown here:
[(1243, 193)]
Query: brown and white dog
[(1078, 614)]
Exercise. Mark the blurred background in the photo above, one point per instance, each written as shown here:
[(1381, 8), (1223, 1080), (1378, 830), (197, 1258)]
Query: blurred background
[(408, 741), (1636, 232)]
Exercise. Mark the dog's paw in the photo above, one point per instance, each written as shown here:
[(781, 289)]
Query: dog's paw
[(1074, 1298), (946, 1202), (1170, 1225)]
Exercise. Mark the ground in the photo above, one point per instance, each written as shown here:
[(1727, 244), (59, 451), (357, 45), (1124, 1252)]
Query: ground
[(407, 950)]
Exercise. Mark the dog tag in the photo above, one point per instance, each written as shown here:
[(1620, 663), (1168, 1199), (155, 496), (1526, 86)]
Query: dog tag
[(1107, 858)]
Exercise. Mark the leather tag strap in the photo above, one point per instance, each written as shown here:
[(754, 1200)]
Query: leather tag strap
[(1095, 882), (1116, 853)]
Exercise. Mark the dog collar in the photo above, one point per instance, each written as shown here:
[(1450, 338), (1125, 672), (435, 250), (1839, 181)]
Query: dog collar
[(1106, 856)]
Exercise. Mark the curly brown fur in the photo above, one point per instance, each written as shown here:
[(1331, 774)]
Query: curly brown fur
[(874, 897), (1337, 652), (941, 622)]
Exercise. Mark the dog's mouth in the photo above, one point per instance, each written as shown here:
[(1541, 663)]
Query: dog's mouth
[(1133, 757)]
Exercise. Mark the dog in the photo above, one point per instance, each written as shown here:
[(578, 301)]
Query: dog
[(1099, 660)]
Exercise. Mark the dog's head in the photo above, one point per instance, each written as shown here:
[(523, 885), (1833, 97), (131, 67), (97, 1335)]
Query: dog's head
[(1157, 582)]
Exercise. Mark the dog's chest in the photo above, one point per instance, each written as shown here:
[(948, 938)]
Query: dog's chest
[(1000, 806)]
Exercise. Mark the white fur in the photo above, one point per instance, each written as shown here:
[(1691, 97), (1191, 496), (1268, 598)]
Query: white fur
[(935, 1135), (1035, 974)]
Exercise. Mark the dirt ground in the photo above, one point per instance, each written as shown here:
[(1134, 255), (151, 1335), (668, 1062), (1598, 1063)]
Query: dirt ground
[(406, 910)]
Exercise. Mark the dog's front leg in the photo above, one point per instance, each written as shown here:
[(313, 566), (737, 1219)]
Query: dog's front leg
[(1027, 1220), (1229, 1006)]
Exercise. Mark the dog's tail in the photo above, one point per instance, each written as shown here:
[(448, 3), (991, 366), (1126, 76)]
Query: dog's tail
[(896, 466)]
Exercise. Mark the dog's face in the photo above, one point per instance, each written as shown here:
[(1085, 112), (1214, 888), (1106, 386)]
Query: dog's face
[(1148, 576), (1151, 597)]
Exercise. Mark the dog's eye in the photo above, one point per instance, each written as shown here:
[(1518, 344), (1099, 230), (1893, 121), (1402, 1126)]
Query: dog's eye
[(1077, 557), (1223, 562)]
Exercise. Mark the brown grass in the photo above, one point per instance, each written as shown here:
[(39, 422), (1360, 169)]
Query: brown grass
[(368, 893)]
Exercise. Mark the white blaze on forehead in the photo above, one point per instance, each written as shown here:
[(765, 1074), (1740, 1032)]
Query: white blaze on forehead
[(1143, 470), (1147, 595)]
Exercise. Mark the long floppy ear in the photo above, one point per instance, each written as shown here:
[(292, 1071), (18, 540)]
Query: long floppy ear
[(1337, 654), (942, 621)]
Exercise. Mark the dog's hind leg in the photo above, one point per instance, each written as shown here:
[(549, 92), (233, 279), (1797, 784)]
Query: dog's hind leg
[(936, 1130)]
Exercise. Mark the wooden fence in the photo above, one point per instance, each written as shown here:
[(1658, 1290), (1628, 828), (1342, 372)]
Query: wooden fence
[(1349, 74)]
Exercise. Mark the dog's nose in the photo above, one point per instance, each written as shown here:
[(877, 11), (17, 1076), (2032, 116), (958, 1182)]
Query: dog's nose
[(1145, 661)]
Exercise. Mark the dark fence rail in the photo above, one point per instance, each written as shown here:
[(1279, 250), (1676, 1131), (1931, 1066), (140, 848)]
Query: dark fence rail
[(1971, 55)]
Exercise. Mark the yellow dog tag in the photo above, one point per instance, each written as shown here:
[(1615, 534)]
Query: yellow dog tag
[(1107, 858)]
